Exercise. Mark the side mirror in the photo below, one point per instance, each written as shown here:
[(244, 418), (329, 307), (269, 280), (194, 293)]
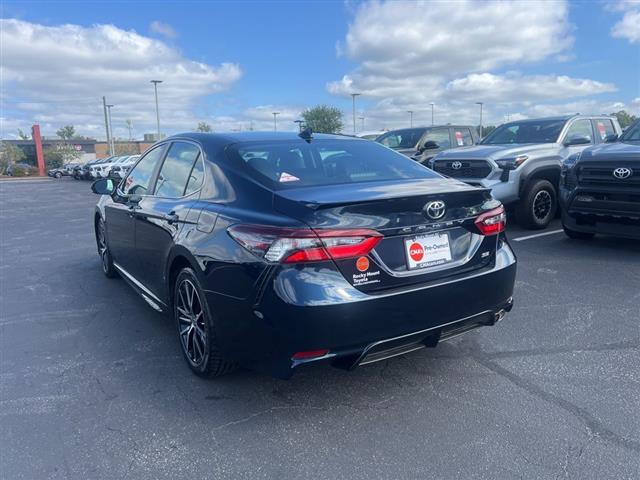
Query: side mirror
[(577, 140), (103, 186), (611, 138), (429, 145)]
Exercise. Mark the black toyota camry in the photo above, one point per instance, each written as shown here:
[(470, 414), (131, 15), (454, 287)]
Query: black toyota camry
[(274, 250)]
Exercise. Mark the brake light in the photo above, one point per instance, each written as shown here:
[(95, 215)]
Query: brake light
[(309, 354), (295, 245), (492, 222)]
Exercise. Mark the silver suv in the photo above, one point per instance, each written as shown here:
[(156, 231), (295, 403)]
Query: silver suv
[(521, 161)]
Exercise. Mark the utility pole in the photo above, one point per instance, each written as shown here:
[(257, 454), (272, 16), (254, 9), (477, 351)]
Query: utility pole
[(361, 123), (112, 145), (432, 104), (106, 124), (155, 87), (275, 121), (410, 112), (481, 104), (353, 96)]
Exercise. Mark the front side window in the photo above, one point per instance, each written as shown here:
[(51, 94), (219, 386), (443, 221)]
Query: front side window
[(137, 182), (632, 134), (580, 128), (527, 131), (438, 135), (176, 170), (291, 164), (405, 138)]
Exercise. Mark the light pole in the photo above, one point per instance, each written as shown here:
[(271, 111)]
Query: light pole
[(481, 104), (106, 123), (155, 87), (112, 145), (432, 104), (299, 122), (361, 123), (353, 97), (410, 112), (275, 122)]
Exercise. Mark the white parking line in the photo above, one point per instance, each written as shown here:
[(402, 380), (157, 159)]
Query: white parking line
[(543, 234)]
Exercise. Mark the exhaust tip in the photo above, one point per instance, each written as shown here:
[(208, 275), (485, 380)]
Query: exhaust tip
[(499, 315)]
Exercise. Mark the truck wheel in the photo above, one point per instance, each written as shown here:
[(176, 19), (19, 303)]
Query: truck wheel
[(577, 235), (537, 206)]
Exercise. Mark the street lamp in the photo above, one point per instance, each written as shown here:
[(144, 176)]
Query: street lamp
[(410, 112), (299, 122), (112, 145), (432, 104), (361, 123), (155, 87), (481, 104), (353, 96), (275, 122)]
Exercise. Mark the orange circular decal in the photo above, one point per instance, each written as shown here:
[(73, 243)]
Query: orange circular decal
[(416, 252), (362, 264)]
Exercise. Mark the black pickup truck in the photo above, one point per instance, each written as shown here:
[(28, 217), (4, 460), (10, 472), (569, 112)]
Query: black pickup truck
[(600, 188)]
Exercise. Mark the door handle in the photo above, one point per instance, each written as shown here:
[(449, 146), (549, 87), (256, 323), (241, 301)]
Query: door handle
[(171, 217)]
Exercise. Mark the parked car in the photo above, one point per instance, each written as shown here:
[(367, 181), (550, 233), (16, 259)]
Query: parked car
[(274, 250), (64, 171), (119, 170), (520, 161), (371, 134), (600, 188), (20, 170), (423, 143), (82, 172)]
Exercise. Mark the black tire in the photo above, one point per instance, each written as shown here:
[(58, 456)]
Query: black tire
[(106, 261), (196, 332), (537, 205), (58, 175), (577, 235)]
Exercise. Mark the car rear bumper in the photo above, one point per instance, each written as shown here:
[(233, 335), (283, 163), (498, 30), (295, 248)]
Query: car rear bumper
[(305, 309)]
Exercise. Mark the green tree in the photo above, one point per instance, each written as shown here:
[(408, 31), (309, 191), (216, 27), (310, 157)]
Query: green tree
[(203, 127), (9, 155), (56, 156), (323, 119), (487, 129), (624, 118), (67, 132)]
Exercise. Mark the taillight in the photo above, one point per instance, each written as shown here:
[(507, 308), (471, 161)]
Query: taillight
[(492, 222), (294, 245)]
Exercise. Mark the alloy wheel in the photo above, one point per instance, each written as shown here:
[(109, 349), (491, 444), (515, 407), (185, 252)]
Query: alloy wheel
[(191, 322), (542, 205), (102, 246)]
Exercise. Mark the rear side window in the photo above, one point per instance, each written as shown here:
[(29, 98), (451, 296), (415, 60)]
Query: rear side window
[(137, 182), (293, 164), (176, 170), (603, 128), (462, 137)]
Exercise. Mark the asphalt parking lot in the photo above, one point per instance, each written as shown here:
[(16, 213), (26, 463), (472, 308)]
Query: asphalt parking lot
[(93, 384)]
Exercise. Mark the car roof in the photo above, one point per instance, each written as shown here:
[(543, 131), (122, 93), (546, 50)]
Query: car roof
[(222, 139), (558, 118)]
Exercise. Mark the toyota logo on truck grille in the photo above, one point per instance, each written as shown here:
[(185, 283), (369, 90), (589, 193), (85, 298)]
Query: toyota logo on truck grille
[(435, 210), (456, 165), (622, 173)]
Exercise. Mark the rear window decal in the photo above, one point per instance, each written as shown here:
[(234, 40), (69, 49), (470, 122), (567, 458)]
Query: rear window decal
[(287, 177)]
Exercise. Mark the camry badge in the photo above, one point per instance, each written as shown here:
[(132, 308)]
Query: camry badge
[(456, 165), (622, 173), (435, 210)]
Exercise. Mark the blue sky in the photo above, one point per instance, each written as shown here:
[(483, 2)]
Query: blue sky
[(233, 63)]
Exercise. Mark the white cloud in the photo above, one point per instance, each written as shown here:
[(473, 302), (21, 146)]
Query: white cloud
[(163, 29), (629, 26), (409, 54), (58, 75)]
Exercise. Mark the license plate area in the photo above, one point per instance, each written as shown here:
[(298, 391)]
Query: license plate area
[(430, 250)]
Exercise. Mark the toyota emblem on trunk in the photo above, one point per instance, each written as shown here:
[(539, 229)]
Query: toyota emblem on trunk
[(435, 210), (622, 173), (456, 165)]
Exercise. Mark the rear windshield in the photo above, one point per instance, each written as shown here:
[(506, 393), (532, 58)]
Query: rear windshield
[(537, 131), (406, 138), (288, 164)]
